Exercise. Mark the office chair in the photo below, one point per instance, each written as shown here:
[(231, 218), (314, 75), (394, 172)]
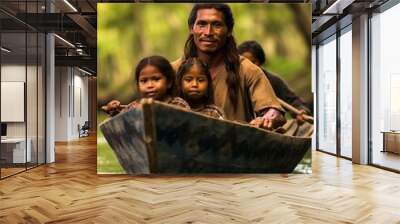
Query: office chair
[(84, 130)]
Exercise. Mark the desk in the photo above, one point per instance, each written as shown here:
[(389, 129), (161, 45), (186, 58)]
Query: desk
[(13, 150), (391, 141)]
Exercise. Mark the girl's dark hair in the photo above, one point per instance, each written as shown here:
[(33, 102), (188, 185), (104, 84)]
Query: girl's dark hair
[(184, 68), (162, 64), (254, 48), (232, 58)]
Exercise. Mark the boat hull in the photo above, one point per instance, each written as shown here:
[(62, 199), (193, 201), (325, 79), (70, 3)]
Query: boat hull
[(160, 138)]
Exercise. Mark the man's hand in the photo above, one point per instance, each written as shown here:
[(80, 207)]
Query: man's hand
[(300, 117), (257, 122), (271, 120)]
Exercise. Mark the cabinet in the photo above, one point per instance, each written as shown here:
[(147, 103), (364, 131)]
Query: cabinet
[(13, 150), (391, 141)]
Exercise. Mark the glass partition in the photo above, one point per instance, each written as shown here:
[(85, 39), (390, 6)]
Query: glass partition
[(14, 154), (385, 89), (346, 92), (22, 92), (326, 82)]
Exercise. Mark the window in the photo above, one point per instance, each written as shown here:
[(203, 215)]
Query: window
[(346, 74), (326, 95), (385, 85)]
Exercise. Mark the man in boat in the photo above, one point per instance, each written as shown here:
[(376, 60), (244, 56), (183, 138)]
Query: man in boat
[(253, 51), (240, 87)]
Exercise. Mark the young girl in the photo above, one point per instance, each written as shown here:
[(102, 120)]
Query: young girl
[(194, 85), (154, 77)]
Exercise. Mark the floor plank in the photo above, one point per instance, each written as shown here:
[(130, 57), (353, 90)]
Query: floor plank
[(70, 191)]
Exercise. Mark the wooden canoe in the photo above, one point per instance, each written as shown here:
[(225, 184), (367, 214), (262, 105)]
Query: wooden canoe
[(160, 138)]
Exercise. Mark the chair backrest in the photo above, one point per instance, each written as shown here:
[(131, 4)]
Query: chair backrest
[(86, 125)]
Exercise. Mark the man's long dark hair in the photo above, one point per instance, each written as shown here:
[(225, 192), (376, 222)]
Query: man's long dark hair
[(232, 59)]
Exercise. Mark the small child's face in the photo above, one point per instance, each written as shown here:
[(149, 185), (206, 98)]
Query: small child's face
[(152, 83), (194, 83)]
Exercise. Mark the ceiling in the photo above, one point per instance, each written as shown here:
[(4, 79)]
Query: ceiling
[(76, 22), (331, 15)]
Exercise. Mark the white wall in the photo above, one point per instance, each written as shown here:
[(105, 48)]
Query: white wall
[(12, 73), (61, 103), (71, 101)]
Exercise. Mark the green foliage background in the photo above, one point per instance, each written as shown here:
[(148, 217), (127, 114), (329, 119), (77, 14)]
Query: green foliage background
[(128, 32)]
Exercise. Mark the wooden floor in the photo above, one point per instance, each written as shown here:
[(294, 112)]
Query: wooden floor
[(386, 159), (10, 171), (70, 191)]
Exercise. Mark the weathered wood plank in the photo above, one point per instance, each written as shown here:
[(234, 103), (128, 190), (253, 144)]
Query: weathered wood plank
[(187, 142), (125, 134)]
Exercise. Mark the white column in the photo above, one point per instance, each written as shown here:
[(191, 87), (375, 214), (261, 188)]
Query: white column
[(360, 90), (50, 100), (50, 92)]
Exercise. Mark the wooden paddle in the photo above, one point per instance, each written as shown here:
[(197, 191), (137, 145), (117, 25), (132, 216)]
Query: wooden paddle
[(296, 111)]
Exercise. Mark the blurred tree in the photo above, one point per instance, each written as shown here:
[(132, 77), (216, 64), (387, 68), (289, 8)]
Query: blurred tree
[(129, 32), (302, 19)]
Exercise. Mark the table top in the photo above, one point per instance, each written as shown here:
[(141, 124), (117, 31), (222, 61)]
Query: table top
[(13, 140), (391, 132)]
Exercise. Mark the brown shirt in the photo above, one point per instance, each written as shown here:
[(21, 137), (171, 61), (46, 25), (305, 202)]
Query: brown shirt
[(255, 95), (283, 91)]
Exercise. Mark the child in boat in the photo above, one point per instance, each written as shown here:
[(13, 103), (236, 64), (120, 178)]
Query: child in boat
[(194, 85), (155, 79)]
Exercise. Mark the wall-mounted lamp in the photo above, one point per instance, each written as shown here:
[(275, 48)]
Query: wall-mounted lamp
[(71, 6), (65, 41), (79, 51), (5, 50), (337, 7), (84, 71)]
